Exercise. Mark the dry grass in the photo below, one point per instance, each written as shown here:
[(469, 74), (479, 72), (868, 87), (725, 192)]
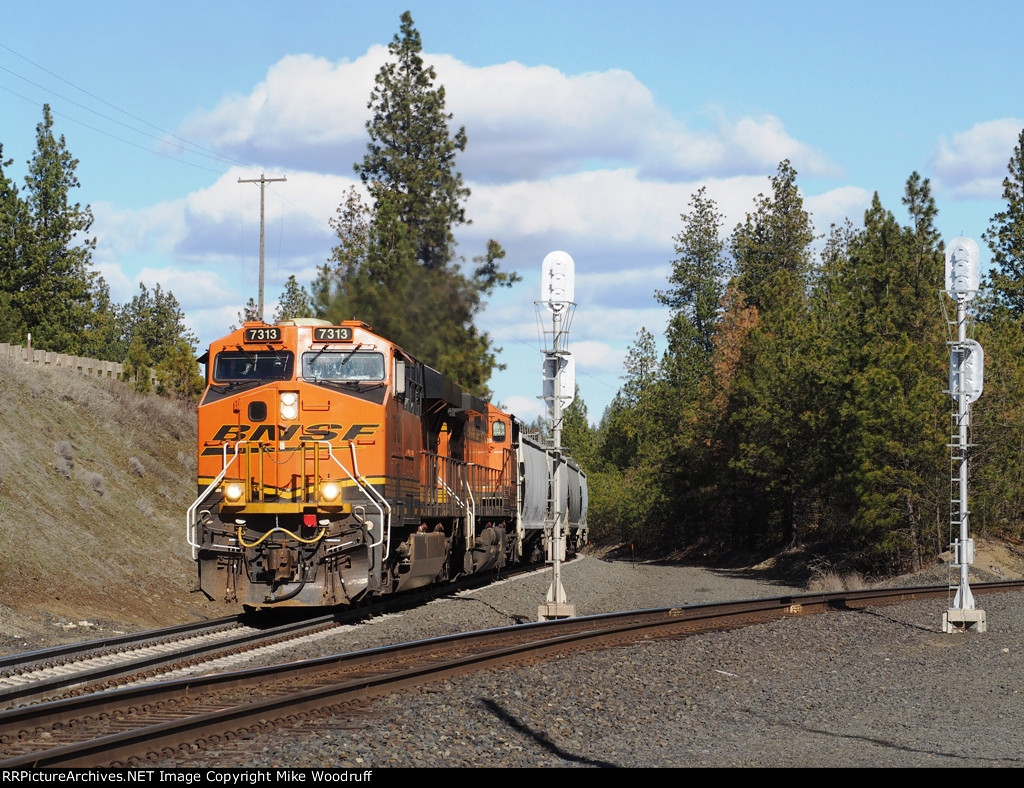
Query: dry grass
[(95, 480)]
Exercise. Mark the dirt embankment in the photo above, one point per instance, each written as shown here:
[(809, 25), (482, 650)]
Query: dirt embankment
[(95, 480)]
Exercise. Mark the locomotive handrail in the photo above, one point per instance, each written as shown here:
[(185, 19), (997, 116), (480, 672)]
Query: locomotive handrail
[(358, 479), (363, 483), (456, 469), (367, 489), (470, 514), (443, 485), (190, 523)]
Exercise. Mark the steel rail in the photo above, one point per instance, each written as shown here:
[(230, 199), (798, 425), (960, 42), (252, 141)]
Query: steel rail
[(134, 664), (51, 653)]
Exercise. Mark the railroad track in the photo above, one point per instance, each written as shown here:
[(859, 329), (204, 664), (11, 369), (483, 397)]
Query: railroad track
[(177, 721), (93, 666)]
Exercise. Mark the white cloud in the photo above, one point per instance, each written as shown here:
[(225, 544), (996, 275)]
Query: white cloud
[(833, 207), (189, 287), (751, 145), (974, 163), (596, 357), (594, 209), (525, 408), (306, 113), (523, 122), (537, 122)]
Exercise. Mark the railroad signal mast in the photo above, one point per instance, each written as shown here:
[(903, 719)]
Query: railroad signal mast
[(966, 372), (559, 371)]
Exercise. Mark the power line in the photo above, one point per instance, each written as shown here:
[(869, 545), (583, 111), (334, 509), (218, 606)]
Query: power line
[(187, 147), (168, 138), (65, 116)]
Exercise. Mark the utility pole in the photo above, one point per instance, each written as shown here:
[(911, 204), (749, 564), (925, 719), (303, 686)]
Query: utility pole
[(262, 181)]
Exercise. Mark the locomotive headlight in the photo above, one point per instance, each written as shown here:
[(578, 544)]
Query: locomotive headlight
[(329, 491), (289, 409), (233, 492)]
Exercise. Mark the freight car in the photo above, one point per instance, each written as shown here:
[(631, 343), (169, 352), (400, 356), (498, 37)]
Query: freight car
[(333, 467)]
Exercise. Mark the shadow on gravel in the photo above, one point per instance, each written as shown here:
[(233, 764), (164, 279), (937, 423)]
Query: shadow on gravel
[(541, 738)]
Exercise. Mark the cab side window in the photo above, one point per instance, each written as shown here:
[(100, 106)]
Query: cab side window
[(237, 366)]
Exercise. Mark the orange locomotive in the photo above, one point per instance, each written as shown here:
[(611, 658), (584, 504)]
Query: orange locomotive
[(334, 467)]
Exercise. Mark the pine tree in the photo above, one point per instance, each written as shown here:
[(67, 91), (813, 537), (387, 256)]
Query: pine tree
[(395, 266), (633, 445), (772, 247), (605, 483), (896, 364), (177, 373), (578, 437), (249, 313), (719, 500), (835, 329), (697, 284), (766, 425), (1005, 237), (295, 302), (997, 416), (138, 367), (154, 322), (103, 335), (349, 262), (52, 288), (410, 157), (13, 225), (628, 432), (997, 420)]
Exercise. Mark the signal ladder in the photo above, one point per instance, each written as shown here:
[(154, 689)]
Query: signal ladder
[(958, 454)]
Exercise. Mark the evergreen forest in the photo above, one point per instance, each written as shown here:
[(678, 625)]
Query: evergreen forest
[(803, 397)]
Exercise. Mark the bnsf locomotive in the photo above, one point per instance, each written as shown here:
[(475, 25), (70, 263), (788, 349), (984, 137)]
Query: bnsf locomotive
[(334, 468)]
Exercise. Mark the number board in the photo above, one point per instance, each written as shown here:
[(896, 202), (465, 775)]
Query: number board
[(332, 334), (266, 334)]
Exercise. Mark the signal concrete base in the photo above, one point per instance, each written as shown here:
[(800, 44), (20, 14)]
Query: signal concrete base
[(553, 610), (960, 620)]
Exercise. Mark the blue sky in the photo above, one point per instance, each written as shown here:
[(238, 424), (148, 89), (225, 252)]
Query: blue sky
[(590, 126)]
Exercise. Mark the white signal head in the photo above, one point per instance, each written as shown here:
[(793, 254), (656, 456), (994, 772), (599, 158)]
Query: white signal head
[(558, 273), (963, 267)]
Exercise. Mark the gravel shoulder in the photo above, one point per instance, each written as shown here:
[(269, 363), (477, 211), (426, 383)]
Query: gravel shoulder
[(876, 688)]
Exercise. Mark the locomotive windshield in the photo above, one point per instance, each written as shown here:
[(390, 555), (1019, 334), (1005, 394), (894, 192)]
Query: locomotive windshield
[(231, 366), (342, 366)]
